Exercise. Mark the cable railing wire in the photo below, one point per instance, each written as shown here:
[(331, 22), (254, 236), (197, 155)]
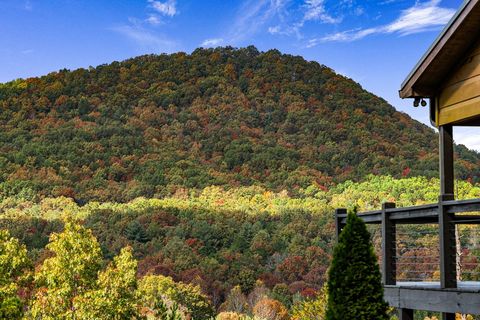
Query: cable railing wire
[(417, 257)]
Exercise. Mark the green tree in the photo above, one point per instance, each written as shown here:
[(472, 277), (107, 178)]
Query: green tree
[(281, 293), (71, 272), (115, 296), (161, 311), (136, 232), (159, 293), (354, 281), (13, 264)]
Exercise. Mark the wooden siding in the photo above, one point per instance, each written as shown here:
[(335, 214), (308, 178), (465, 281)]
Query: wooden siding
[(459, 99)]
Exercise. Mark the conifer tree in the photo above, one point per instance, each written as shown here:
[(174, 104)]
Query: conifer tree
[(135, 231), (354, 281)]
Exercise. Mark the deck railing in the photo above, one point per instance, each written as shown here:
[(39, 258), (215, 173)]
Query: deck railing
[(443, 216)]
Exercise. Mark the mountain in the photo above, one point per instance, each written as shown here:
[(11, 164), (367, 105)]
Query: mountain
[(155, 124)]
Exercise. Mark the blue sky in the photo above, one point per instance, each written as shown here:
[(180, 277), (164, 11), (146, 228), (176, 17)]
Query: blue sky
[(374, 42)]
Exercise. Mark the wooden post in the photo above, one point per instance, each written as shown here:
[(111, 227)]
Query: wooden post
[(388, 246), (405, 314), (448, 258), (448, 254), (448, 316), (446, 159), (338, 221), (448, 272)]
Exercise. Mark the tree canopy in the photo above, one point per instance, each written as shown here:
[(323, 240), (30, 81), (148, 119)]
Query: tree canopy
[(152, 125), (200, 253)]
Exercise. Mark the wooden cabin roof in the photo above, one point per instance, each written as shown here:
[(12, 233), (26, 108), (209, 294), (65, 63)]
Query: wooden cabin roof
[(446, 53)]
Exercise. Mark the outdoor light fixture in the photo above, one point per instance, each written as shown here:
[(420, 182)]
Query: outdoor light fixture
[(416, 102), (419, 102)]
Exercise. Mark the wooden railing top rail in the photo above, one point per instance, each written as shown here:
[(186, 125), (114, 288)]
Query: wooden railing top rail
[(423, 214)]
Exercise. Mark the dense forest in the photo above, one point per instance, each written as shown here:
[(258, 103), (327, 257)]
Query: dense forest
[(239, 251), (153, 125), (199, 186)]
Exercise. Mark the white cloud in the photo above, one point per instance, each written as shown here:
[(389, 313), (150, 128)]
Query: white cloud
[(315, 11), (154, 20), (358, 11), (274, 30), (344, 36), (387, 2), (212, 42), (252, 16), (469, 136), (283, 16), (311, 10), (145, 39), (168, 8), (141, 31), (421, 17)]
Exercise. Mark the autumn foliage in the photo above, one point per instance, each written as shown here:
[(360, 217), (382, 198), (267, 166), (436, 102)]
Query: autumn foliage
[(156, 124)]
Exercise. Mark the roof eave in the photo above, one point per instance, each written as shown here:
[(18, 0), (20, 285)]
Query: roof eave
[(408, 89)]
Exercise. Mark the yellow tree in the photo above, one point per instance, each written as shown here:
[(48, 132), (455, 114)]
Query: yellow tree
[(158, 293), (115, 296), (70, 272), (313, 309), (13, 264)]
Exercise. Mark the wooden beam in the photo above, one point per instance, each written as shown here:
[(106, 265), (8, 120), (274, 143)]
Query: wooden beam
[(424, 214), (436, 300), (465, 111), (460, 206), (388, 246)]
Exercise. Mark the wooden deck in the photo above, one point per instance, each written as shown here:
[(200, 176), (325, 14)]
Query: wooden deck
[(448, 296), (430, 296)]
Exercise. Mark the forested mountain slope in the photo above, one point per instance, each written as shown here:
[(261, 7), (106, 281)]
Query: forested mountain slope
[(151, 125), (265, 242)]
